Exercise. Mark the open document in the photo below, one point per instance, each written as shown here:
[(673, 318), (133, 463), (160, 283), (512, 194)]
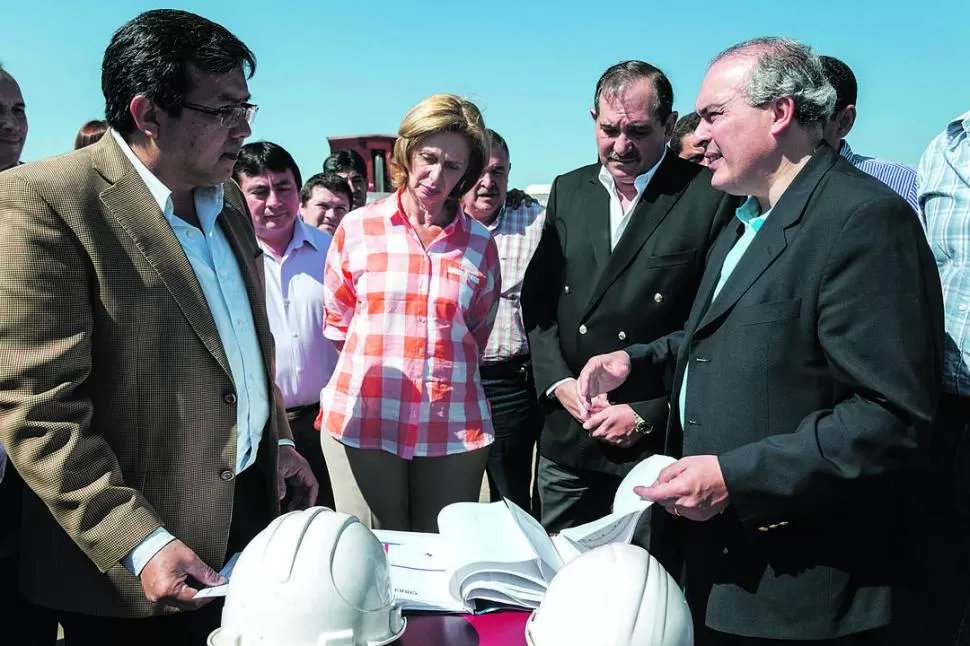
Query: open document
[(497, 552)]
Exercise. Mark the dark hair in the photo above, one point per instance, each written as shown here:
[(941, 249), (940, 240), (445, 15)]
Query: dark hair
[(261, 157), (150, 55), (840, 76), (498, 140), (684, 126), (618, 77), (331, 182), (90, 133), (343, 160)]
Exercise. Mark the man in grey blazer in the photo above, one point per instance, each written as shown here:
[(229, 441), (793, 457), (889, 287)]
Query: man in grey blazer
[(136, 377)]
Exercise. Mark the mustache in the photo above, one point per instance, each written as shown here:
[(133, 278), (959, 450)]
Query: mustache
[(486, 193), (633, 155)]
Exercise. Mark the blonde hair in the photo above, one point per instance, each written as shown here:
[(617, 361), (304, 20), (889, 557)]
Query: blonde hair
[(441, 113)]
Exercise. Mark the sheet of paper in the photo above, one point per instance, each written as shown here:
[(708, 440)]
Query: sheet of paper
[(483, 532), (644, 473), (419, 573), (220, 590), (549, 559)]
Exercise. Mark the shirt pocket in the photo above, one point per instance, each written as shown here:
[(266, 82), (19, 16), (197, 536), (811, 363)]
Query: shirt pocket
[(767, 312), (458, 285)]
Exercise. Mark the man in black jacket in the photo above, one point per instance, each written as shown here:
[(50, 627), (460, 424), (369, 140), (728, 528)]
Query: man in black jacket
[(806, 376), (619, 261)]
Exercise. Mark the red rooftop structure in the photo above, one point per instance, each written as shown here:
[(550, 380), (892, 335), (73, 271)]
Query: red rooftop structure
[(376, 151)]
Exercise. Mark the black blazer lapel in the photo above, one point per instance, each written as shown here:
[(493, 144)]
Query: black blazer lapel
[(132, 204), (773, 237), (656, 202), (594, 208)]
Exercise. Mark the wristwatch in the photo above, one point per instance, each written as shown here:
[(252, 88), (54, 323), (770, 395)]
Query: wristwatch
[(641, 426)]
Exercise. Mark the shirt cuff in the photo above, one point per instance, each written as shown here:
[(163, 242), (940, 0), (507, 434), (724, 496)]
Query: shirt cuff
[(287, 442), (551, 390), (139, 557)]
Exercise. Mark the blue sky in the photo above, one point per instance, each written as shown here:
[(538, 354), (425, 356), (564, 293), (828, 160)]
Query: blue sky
[(337, 68)]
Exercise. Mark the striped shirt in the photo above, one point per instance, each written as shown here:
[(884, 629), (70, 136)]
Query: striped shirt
[(516, 234), (944, 200), (899, 177), (414, 322)]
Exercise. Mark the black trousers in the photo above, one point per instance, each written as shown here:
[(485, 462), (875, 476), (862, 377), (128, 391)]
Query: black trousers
[(250, 514), (517, 419), (307, 440), (571, 497), (32, 624), (946, 529)]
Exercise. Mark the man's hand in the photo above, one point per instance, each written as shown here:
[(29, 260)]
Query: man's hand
[(692, 487), (515, 198), (566, 394), (295, 474), (614, 425), (600, 375), (164, 577)]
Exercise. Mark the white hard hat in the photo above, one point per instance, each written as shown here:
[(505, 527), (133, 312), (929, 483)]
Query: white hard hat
[(613, 595), (312, 578)]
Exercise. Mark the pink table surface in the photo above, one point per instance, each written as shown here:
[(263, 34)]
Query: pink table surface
[(505, 628)]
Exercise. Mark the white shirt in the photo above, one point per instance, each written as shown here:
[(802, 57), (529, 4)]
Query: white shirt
[(305, 359), (620, 219)]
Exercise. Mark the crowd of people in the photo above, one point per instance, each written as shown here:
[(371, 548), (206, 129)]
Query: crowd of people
[(193, 339)]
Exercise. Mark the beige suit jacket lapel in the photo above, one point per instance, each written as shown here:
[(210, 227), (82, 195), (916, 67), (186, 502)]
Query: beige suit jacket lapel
[(131, 203)]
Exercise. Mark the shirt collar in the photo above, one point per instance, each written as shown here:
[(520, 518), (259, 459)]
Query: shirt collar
[(958, 128), (750, 213), (208, 199), (460, 223), (641, 181), (845, 150), (494, 224)]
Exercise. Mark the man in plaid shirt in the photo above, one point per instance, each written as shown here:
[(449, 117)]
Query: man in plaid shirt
[(506, 368)]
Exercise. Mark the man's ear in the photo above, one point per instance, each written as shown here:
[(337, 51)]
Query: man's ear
[(845, 120), (669, 125), (782, 114), (145, 113)]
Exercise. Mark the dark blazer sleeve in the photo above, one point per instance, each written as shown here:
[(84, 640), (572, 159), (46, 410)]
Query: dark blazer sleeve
[(662, 354), (541, 288), (879, 325), (45, 366)]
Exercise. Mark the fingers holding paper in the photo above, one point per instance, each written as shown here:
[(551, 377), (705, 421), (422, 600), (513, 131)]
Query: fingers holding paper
[(692, 487)]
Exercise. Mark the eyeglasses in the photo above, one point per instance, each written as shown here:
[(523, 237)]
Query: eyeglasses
[(229, 117)]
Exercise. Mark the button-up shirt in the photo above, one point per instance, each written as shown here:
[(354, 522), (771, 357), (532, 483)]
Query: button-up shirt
[(516, 234), (217, 270), (414, 323), (753, 219), (620, 217), (944, 200), (899, 177), (305, 359)]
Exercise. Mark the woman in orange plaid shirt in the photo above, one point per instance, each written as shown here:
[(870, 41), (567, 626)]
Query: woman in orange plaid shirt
[(411, 290)]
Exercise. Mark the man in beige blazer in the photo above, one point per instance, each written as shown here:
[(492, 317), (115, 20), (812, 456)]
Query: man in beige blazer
[(136, 377)]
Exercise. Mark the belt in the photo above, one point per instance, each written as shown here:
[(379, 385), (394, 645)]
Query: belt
[(516, 366), (299, 412)]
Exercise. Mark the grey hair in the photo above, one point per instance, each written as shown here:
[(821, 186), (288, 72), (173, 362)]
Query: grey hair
[(785, 67)]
